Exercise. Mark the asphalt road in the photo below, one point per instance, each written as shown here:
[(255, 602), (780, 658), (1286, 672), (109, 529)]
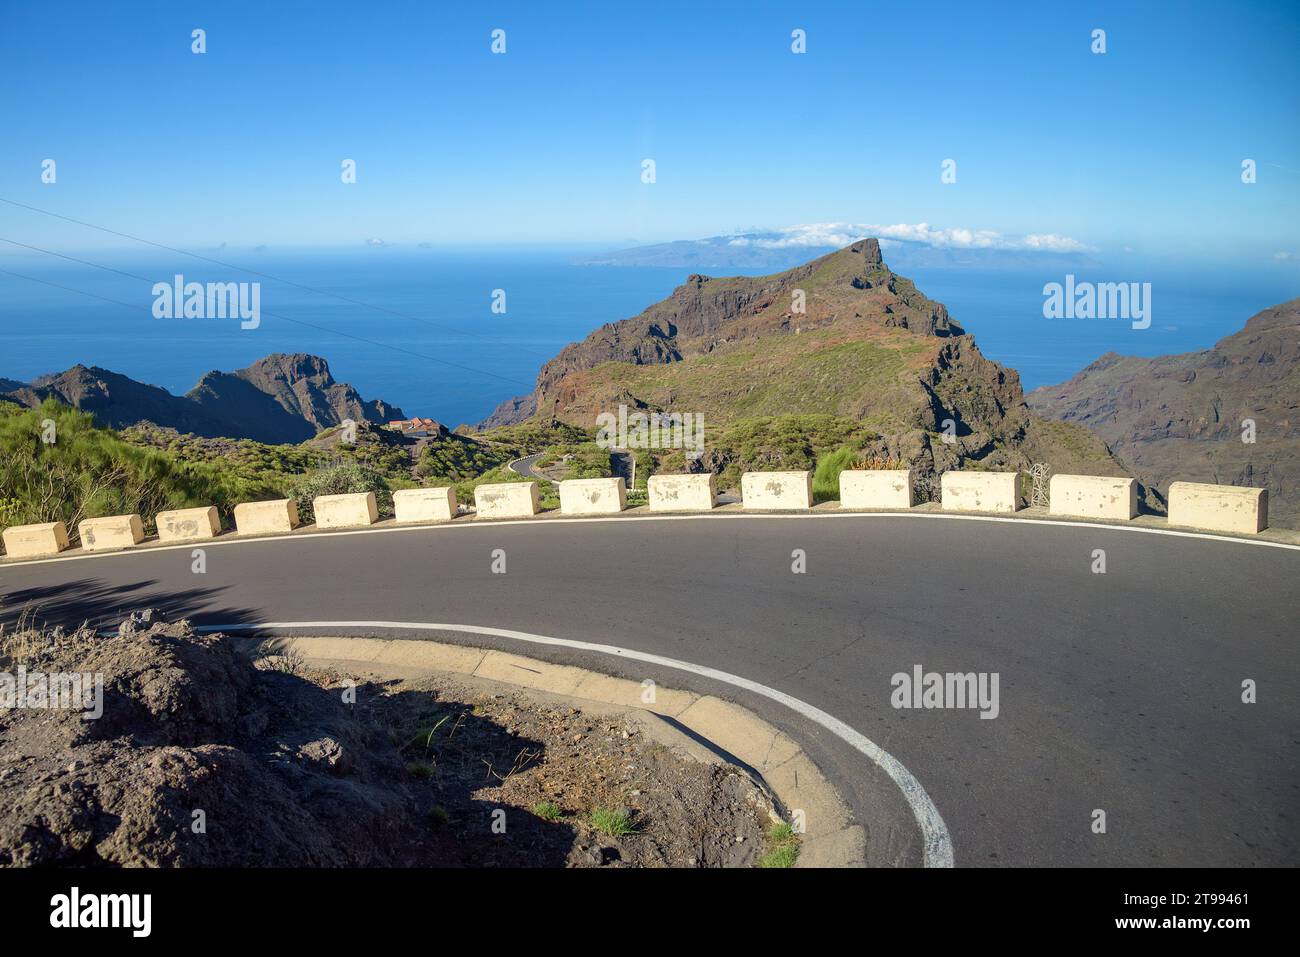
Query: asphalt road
[(525, 465), (1118, 692)]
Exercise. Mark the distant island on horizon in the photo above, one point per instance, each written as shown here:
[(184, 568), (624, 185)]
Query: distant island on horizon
[(778, 250)]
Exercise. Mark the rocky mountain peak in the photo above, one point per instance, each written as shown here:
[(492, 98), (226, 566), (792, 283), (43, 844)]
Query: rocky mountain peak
[(868, 249), (289, 368), (279, 398), (851, 289)]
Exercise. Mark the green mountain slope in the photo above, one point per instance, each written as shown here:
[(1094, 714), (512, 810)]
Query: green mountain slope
[(842, 339)]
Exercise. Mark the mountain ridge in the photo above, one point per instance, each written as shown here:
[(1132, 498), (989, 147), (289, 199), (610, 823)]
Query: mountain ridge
[(1181, 417), (281, 398)]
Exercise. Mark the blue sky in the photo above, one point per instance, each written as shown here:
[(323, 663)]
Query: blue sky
[(1139, 148)]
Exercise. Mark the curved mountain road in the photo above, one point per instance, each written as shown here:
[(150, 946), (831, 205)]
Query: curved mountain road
[(524, 467), (1119, 692)]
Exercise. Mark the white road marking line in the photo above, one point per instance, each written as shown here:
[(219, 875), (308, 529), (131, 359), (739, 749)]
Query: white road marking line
[(938, 846), (235, 539)]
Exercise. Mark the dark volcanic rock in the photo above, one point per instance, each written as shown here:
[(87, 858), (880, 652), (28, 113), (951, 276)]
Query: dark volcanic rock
[(511, 411), (118, 401), (303, 387)]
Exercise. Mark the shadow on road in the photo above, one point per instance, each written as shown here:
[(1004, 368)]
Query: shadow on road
[(102, 604)]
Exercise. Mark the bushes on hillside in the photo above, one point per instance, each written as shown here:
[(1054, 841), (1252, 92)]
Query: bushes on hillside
[(826, 477), (530, 437), (86, 472), (589, 460), (785, 442), (454, 459), (341, 478)]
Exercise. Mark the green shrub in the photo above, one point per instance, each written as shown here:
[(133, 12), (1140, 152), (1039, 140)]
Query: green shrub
[(782, 847), (530, 437), (548, 811), (826, 476), (645, 467), (455, 458), (590, 461), (786, 442), (614, 823), (87, 472), (341, 478)]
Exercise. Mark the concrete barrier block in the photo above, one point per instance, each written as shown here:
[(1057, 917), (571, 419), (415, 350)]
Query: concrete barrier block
[(264, 518), (981, 491), (348, 510), (1094, 496), (1221, 508), (33, 541), (111, 531), (776, 490), (425, 504), (675, 493), (507, 500), (188, 524), (876, 488), (594, 496)]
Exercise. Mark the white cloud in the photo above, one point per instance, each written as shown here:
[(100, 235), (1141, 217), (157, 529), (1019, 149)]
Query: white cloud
[(842, 234), (1054, 243)]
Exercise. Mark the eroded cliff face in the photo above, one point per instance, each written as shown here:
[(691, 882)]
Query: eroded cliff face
[(300, 385), (1187, 417)]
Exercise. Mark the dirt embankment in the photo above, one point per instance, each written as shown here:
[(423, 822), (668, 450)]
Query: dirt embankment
[(204, 758)]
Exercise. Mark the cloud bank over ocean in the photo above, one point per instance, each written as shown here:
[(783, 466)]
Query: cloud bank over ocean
[(838, 235), (907, 245)]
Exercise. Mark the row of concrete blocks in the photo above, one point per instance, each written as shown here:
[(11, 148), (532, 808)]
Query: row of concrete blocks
[(1223, 508), (251, 518)]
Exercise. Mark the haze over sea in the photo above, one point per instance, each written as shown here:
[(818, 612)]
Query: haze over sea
[(456, 359)]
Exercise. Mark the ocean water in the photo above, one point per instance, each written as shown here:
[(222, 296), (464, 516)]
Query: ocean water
[(416, 327), (1191, 309), (415, 330)]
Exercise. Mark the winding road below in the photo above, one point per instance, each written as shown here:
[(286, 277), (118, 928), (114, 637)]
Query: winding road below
[(1119, 692), (525, 465)]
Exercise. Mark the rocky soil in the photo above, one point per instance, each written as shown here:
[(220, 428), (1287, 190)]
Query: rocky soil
[(203, 757)]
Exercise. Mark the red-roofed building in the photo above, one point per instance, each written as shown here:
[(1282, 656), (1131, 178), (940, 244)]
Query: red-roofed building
[(418, 427)]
